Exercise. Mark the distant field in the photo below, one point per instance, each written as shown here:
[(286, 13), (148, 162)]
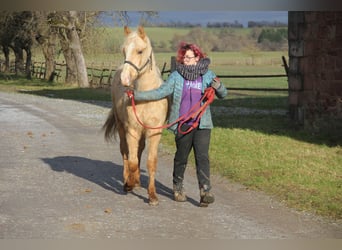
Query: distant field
[(158, 34), (113, 37), (228, 63), (247, 62)]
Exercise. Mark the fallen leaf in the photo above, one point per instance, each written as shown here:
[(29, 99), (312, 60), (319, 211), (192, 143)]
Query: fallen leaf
[(108, 210), (77, 227)]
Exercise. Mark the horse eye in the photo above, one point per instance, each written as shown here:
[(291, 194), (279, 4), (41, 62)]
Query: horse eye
[(140, 52)]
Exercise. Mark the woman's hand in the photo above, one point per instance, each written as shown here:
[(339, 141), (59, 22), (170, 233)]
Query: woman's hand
[(216, 83)]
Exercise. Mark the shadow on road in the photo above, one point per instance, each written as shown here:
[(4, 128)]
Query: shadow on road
[(106, 174), (103, 173)]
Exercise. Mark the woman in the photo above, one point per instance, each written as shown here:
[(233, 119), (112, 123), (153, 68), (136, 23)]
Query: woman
[(187, 85)]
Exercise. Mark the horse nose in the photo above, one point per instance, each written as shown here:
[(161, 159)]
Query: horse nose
[(125, 79)]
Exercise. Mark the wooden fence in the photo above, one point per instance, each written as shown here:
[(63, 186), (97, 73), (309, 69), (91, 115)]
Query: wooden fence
[(286, 68), (100, 75), (285, 65)]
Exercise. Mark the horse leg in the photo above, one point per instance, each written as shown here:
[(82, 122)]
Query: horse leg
[(152, 159), (133, 169), (140, 150), (124, 154)]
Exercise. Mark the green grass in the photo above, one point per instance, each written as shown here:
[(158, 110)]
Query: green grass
[(255, 99), (52, 90), (305, 175)]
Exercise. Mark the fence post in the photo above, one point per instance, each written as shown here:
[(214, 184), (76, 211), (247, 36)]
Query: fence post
[(173, 64), (285, 65)]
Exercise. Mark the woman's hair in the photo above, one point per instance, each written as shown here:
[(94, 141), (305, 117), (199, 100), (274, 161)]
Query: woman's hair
[(184, 47)]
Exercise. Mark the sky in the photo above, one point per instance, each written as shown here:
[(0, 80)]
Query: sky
[(204, 17)]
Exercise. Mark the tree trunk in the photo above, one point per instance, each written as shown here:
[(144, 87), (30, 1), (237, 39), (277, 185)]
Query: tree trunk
[(28, 63), (49, 54), (6, 51), (19, 60), (76, 48), (82, 76), (71, 71), (76, 70), (48, 44)]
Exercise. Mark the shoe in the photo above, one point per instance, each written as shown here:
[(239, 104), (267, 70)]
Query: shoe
[(178, 192), (206, 198)]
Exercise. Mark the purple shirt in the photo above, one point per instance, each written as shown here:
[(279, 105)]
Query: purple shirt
[(192, 93)]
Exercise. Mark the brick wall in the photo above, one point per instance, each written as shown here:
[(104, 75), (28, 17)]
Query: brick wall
[(315, 69)]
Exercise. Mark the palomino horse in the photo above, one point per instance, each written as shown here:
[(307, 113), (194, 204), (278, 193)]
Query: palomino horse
[(140, 72)]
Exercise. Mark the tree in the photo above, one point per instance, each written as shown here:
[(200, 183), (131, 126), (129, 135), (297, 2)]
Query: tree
[(196, 35), (5, 40), (273, 39), (20, 29), (47, 39), (17, 30), (68, 27)]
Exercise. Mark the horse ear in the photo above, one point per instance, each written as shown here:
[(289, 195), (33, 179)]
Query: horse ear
[(127, 30), (141, 32)]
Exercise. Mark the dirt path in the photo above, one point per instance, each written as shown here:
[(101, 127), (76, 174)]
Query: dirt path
[(59, 179)]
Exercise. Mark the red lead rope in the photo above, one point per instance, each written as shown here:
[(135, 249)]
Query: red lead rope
[(196, 111)]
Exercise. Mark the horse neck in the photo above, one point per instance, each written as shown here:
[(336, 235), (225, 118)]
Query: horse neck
[(150, 78)]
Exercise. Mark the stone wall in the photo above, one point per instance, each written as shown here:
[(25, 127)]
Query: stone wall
[(315, 69)]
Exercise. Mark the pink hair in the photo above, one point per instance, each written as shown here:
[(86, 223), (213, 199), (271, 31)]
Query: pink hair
[(184, 47)]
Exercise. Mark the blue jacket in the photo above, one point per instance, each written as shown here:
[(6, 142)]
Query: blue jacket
[(174, 86)]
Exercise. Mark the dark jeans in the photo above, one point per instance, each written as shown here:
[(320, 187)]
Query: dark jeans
[(199, 140)]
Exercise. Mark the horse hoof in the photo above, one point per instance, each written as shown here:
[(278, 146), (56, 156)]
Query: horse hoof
[(153, 202), (127, 188)]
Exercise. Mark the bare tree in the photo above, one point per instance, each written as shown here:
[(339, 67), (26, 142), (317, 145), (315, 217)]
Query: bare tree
[(123, 18), (21, 28), (18, 31), (68, 27), (47, 39)]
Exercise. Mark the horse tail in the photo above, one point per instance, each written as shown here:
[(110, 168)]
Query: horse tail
[(110, 126)]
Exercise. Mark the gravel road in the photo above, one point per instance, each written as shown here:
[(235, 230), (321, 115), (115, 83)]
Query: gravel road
[(59, 179)]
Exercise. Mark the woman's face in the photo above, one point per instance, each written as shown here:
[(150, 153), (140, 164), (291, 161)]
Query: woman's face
[(190, 58)]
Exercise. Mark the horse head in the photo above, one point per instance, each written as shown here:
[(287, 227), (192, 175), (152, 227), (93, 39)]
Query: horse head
[(137, 51)]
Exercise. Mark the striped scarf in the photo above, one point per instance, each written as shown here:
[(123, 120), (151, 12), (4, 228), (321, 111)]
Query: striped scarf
[(192, 72)]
